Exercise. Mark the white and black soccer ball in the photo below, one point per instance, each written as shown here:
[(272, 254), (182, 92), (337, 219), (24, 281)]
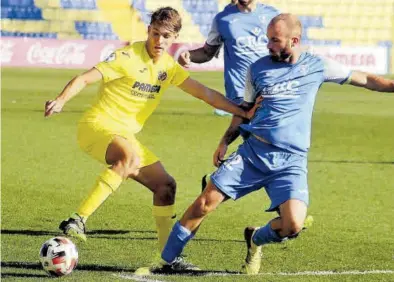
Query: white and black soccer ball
[(59, 256)]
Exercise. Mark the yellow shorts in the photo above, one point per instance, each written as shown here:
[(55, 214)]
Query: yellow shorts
[(93, 138)]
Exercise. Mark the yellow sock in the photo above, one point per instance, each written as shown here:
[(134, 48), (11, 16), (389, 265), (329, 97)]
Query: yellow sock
[(164, 220), (107, 183)]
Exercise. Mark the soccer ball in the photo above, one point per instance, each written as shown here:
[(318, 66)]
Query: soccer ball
[(58, 256)]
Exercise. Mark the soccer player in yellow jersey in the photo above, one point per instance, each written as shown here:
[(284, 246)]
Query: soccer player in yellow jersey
[(133, 80)]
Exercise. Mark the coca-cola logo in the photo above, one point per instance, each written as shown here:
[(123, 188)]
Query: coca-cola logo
[(69, 53), (6, 51)]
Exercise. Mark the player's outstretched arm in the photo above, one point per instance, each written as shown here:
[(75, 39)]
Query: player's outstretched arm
[(214, 98), (199, 55), (371, 82), (72, 88)]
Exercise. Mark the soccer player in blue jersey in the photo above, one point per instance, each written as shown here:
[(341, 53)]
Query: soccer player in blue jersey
[(276, 141), (242, 29)]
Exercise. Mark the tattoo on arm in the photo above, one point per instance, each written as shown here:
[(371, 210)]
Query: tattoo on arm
[(231, 134), (233, 131)]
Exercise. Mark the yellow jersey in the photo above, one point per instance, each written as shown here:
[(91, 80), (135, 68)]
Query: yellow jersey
[(132, 87)]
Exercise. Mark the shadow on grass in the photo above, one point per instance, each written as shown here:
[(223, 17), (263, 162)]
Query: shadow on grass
[(103, 268), (23, 275), (104, 234), (352, 162), (51, 233), (87, 267)]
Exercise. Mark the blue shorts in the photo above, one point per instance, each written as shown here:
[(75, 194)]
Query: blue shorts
[(255, 165)]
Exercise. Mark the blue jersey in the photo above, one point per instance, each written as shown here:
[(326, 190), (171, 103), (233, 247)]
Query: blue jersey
[(289, 92), (244, 36)]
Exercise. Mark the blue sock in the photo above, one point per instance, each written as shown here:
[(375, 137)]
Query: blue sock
[(266, 235), (177, 240)]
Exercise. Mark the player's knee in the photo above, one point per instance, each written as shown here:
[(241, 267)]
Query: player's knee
[(202, 207), (166, 190), (291, 228)]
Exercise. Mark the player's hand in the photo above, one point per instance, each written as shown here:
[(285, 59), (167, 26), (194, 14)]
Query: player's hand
[(219, 154), (53, 106), (256, 106), (184, 59)]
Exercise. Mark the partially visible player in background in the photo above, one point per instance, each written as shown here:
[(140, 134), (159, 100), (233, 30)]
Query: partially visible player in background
[(242, 29), (133, 80), (276, 142)]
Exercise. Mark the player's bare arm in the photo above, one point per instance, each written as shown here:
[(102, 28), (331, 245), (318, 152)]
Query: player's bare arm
[(230, 135), (371, 82), (214, 98), (204, 54), (73, 87), (199, 56)]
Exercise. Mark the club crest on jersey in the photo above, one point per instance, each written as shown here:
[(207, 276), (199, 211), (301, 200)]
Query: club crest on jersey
[(304, 69), (162, 76), (256, 31), (263, 19)]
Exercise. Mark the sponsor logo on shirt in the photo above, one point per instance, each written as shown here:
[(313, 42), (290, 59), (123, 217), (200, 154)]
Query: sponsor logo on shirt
[(252, 44), (145, 90), (286, 89)]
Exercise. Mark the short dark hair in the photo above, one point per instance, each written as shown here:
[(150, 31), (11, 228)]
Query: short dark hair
[(168, 17)]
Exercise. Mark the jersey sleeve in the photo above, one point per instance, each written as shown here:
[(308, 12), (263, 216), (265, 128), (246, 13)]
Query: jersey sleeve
[(214, 38), (180, 75), (113, 67), (250, 93), (335, 72)]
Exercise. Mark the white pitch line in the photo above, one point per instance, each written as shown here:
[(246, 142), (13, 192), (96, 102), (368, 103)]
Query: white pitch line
[(136, 278), (322, 273), (304, 273)]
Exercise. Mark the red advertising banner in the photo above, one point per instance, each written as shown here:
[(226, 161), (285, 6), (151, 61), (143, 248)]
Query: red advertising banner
[(52, 53), (373, 59)]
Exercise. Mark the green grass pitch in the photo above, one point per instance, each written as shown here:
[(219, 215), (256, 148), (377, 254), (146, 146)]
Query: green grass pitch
[(45, 176)]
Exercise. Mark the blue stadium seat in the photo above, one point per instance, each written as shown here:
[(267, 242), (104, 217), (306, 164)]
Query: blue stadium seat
[(29, 13), (79, 4), (205, 29), (187, 4), (385, 44), (196, 16), (29, 34), (7, 13), (17, 3), (139, 5), (93, 27), (321, 42), (311, 21), (95, 36), (210, 6)]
